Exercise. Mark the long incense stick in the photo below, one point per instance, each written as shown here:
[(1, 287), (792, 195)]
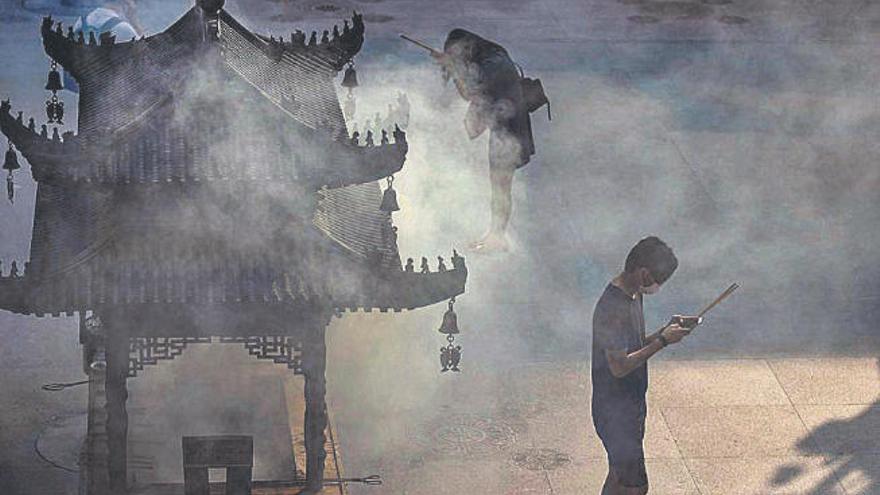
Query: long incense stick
[(419, 43), (720, 298)]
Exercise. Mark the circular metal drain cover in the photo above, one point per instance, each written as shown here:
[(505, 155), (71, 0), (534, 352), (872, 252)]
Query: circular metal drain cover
[(463, 434), (541, 459)]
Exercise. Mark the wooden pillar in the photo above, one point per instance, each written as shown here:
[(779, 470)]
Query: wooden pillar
[(93, 458), (117, 346), (314, 363)]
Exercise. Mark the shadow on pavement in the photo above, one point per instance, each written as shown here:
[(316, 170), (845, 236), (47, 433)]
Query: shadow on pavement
[(846, 461)]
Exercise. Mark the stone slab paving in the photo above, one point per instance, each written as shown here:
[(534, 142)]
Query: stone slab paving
[(735, 431), (743, 382), (714, 427), (842, 429), (828, 381), (858, 473), (765, 476)]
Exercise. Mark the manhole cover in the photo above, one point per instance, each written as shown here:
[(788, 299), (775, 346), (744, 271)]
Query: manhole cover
[(536, 484), (465, 435), (541, 459)]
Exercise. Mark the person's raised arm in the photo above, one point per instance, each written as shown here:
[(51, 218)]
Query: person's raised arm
[(688, 322)]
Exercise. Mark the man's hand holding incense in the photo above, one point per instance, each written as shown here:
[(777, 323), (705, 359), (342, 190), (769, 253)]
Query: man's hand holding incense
[(674, 333)]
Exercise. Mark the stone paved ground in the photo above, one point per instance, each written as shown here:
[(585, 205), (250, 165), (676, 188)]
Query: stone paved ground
[(808, 426), (795, 425)]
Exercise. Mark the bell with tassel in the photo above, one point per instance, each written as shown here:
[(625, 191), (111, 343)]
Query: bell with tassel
[(10, 164), (450, 355), (350, 81), (54, 107), (389, 198)]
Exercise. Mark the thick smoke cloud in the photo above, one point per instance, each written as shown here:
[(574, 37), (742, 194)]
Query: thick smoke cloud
[(756, 162)]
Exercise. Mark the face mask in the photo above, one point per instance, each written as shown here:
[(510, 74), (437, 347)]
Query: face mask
[(651, 289)]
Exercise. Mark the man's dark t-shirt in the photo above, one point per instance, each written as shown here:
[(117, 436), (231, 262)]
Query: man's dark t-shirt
[(618, 404)]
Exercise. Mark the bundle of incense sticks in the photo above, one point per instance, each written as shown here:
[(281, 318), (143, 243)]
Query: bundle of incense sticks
[(420, 43), (718, 299)]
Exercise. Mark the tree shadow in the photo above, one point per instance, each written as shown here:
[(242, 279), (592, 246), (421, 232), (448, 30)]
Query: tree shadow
[(843, 460)]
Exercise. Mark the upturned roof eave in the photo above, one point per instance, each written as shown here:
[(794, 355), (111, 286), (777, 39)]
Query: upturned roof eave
[(42, 154), (378, 289), (362, 164)]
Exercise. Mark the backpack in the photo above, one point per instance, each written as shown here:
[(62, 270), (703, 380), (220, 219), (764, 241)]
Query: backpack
[(533, 93)]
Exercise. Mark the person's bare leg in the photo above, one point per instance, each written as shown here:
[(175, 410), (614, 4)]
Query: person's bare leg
[(502, 200), (501, 178)]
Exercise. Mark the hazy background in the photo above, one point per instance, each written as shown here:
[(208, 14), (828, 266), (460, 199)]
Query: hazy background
[(743, 133)]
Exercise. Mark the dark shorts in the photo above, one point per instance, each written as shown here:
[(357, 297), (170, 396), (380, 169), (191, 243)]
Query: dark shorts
[(622, 437)]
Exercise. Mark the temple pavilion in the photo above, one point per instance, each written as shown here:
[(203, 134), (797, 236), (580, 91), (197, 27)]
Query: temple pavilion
[(210, 192)]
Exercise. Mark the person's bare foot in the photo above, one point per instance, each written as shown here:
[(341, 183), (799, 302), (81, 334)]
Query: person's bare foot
[(491, 243)]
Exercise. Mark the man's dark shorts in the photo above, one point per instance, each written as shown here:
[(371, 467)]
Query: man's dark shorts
[(623, 437)]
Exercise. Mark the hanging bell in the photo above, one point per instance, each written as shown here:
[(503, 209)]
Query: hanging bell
[(450, 320), (54, 82), (389, 198), (11, 161), (350, 78)]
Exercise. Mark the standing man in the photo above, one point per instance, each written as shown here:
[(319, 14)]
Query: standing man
[(619, 369)]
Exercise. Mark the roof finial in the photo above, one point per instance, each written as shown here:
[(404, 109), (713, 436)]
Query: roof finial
[(210, 6)]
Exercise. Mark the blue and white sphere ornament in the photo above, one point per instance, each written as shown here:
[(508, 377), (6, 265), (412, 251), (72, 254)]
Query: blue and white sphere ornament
[(101, 20)]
